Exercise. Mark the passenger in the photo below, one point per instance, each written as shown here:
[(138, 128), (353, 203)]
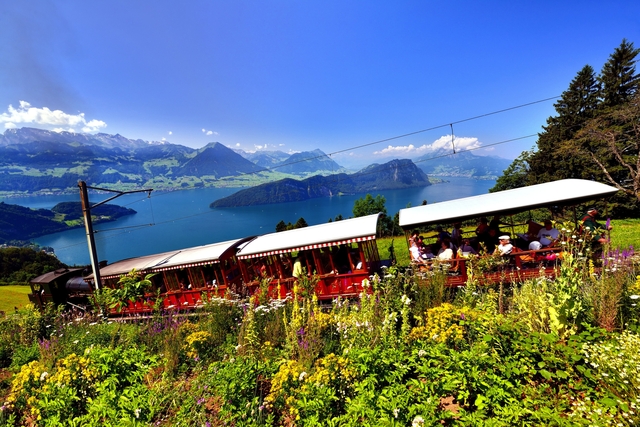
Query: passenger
[(297, 266), (495, 224), (442, 234), (505, 247), (588, 222), (467, 249), (456, 234), (445, 252), (482, 229), (426, 252), (548, 235), (414, 250)]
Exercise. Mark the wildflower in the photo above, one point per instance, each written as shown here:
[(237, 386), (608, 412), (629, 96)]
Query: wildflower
[(634, 296), (395, 412), (302, 375), (422, 353), (418, 421), (137, 412), (43, 376)]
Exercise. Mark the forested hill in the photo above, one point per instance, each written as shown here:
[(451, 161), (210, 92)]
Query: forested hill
[(21, 223), (395, 174)]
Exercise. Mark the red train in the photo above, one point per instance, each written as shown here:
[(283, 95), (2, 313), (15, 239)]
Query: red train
[(339, 254)]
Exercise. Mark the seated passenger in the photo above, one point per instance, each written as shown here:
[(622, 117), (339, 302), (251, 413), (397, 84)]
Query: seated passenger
[(445, 252), (504, 247), (467, 249), (426, 252), (548, 235), (416, 254)]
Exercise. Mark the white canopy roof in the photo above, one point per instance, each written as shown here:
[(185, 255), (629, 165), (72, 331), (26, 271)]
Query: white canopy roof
[(317, 236), (555, 193), (199, 255)]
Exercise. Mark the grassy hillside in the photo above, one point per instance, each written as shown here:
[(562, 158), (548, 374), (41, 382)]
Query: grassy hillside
[(13, 296)]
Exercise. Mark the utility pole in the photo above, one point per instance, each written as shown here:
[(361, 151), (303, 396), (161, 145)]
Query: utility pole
[(88, 224)]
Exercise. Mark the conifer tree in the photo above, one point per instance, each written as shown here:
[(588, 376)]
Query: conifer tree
[(576, 105), (618, 78)]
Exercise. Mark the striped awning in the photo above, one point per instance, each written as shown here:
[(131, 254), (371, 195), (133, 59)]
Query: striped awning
[(184, 258), (318, 236)]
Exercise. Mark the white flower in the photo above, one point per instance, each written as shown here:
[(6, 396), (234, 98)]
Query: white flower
[(76, 341), (44, 375), (395, 412), (418, 421), (634, 296), (302, 375), (422, 353)]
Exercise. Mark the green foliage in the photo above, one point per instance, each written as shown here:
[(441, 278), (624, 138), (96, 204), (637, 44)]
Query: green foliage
[(73, 210), (516, 175), (131, 287), (395, 355), (281, 226), (20, 223), (369, 205), (19, 265)]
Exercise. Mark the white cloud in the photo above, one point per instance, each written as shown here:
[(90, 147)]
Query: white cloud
[(209, 132), (57, 120), (170, 133), (237, 144), (442, 143)]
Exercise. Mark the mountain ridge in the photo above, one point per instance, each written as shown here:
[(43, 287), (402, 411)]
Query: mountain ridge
[(396, 174)]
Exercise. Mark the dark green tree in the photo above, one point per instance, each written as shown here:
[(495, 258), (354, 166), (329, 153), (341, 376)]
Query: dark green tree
[(612, 141), (281, 226), (618, 79), (576, 105), (301, 223), (369, 206), (516, 175)]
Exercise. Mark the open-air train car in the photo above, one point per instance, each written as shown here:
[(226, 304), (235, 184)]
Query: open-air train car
[(340, 254), (566, 192)]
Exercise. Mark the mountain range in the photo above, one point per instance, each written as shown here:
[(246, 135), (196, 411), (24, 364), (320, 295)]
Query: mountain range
[(41, 161)]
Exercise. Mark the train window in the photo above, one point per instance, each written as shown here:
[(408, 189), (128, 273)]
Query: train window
[(196, 277), (171, 280)]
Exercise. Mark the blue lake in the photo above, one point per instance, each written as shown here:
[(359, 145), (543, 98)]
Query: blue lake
[(181, 219)]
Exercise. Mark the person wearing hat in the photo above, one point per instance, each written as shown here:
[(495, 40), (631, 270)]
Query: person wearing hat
[(505, 247), (588, 222)]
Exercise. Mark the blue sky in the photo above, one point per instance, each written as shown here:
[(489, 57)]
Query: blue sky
[(299, 75)]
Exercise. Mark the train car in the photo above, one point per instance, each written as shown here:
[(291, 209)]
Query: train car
[(553, 195), (184, 278), (339, 254)]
